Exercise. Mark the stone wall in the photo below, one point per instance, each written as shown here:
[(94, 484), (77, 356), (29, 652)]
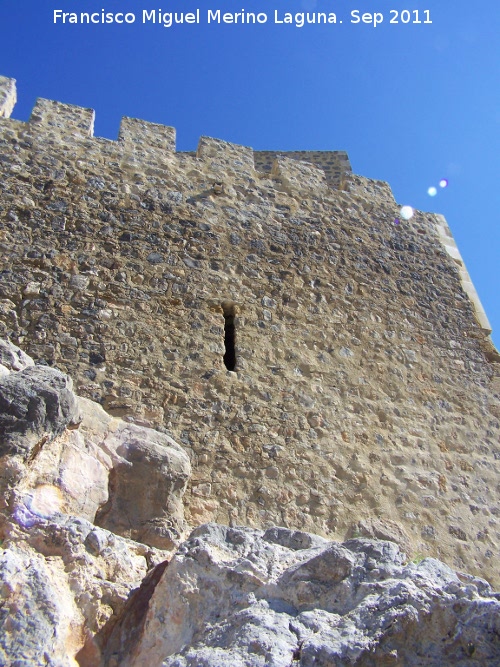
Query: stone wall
[(335, 164), (364, 395)]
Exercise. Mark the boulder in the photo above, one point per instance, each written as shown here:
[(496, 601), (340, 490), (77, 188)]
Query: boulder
[(146, 484), (62, 453), (238, 597), (63, 584), (36, 405), (39, 620), (13, 358)]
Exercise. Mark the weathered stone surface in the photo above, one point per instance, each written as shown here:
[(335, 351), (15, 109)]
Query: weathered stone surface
[(13, 358), (382, 529), (39, 621), (65, 580), (147, 481), (8, 96), (64, 584), (124, 477), (74, 592), (36, 405), (325, 368), (237, 597)]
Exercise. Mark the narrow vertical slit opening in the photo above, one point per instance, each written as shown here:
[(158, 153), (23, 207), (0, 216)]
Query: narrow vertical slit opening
[(228, 310)]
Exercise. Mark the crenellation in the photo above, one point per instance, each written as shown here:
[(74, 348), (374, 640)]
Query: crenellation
[(335, 164), (64, 121), (299, 177), (225, 156), (145, 142), (141, 136)]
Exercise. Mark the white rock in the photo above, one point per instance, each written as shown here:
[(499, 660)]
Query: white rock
[(234, 596)]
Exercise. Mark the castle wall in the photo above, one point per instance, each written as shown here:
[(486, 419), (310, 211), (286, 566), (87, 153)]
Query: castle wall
[(334, 164), (364, 395)]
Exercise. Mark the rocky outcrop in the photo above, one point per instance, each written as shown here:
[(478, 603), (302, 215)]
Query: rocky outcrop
[(68, 473), (12, 358), (238, 597), (63, 582), (93, 570), (36, 405), (61, 453), (147, 482)]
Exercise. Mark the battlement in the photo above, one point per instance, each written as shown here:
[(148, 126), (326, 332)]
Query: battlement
[(152, 147), (62, 121), (334, 164), (69, 123)]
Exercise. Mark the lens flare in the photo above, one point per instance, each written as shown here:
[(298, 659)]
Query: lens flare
[(443, 183), (406, 212), (396, 221), (432, 191)]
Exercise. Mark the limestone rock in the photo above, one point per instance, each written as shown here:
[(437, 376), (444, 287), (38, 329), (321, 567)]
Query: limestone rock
[(39, 620), (13, 358), (36, 404), (382, 529), (124, 477), (147, 481), (238, 597), (66, 466), (64, 583)]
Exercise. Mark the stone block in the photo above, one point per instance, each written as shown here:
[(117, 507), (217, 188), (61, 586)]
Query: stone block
[(139, 135), (334, 164), (298, 176), (36, 404), (55, 118), (232, 157)]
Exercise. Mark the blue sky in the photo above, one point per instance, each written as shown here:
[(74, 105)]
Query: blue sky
[(410, 103)]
